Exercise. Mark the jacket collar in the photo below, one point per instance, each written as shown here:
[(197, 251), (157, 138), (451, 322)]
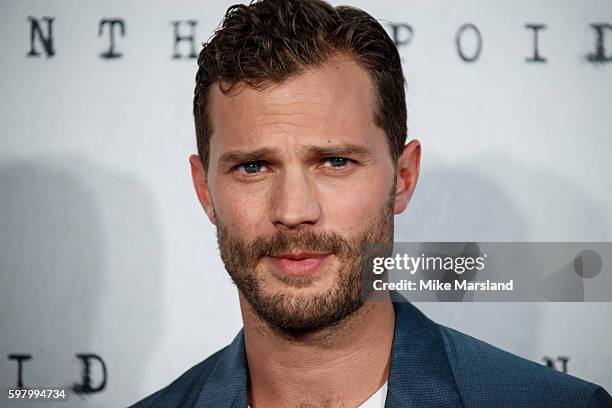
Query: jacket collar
[(226, 385), (419, 374)]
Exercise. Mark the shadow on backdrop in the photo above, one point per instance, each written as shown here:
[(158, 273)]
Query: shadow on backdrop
[(461, 202), (80, 256)]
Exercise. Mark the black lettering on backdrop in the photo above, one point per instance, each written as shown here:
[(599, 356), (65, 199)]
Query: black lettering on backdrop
[(85, 387), (536, 57), (458, 41), (111, 23), (41, 36), (599, 55), (45, 39), (401, 33), (179, 38), (551, 363), (20, 358)]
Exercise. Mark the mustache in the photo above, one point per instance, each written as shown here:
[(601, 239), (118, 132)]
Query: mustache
[(303, 240)]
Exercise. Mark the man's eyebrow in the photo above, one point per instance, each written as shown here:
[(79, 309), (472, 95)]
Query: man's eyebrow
[(243, 156), (347, 149)]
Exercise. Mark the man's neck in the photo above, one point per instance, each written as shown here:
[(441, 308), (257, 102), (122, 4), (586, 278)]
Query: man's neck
[(342, 366)]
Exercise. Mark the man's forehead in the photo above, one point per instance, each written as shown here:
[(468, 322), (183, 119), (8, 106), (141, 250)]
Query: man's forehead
[(335, 98)]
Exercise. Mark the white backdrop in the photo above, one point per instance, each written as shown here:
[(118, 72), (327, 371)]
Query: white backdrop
[(103, 246)]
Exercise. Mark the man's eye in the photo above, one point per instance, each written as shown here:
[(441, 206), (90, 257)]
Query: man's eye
[(251, 168), (336, 162)]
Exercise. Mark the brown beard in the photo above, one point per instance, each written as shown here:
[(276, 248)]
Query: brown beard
[(295, 315)]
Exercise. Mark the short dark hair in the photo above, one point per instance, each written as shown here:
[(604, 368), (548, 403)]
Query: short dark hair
[(268, 41)]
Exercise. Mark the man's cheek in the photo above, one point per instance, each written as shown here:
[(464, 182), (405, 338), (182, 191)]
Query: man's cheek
[(245, 219), (343, 214)]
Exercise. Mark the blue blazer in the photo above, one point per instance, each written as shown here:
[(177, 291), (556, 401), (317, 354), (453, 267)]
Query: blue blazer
[(431, 366)]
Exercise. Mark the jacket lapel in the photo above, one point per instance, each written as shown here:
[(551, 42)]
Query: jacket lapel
[(420, 374)]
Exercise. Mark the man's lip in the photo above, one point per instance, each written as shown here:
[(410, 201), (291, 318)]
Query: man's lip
[(299, 263), (297, 256)]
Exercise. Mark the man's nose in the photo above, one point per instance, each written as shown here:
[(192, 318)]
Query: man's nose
[(295, 200)]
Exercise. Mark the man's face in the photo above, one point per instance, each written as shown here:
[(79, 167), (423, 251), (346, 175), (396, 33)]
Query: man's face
[(299, 178)]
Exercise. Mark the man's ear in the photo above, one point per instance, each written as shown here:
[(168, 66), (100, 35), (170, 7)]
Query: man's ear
[(198, 174), (408, 166)]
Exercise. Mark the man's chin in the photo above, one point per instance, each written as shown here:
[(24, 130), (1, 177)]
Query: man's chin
[(295, 295), (296, 311), (300, 288)]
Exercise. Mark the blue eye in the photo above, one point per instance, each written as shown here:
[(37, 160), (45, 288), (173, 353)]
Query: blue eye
[(336, 161), (252, 168)]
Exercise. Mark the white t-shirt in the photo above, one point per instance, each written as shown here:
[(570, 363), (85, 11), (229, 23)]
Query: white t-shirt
[(377, 400)]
